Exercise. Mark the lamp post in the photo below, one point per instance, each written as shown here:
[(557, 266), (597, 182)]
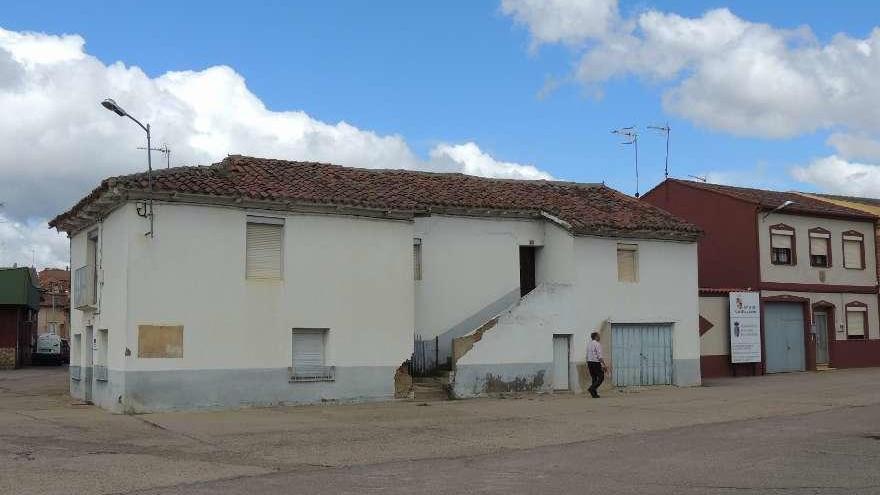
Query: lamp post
[(114, 107)]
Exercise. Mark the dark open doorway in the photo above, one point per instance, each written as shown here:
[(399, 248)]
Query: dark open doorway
[(526, 269)]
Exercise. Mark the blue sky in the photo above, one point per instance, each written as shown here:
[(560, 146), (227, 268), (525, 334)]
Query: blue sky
[(462, 71), (443, 71)]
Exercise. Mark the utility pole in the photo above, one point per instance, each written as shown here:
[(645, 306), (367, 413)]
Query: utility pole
[(631, 136)]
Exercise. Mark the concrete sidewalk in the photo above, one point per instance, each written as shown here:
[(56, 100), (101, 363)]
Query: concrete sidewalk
[(53, 446)]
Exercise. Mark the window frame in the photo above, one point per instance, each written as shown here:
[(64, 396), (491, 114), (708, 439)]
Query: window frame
[(258, 219), (417, 259), (781, 227), (633, 248), (860, 240), (820, 233), (864, 312)]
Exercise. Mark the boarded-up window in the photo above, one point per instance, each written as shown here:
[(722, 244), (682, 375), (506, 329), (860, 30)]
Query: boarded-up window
[(160, 341), (309, 354), (852, 251), (264, 247), (417, 259), (856, 319), (627, 262)]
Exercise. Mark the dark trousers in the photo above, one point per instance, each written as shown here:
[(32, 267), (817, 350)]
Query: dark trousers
[(597, 374)]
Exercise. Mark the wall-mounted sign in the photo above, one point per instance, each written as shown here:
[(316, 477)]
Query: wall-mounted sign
[(745, 327)]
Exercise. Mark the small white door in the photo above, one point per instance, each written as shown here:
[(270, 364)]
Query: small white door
[(88, 363), (560, 361)]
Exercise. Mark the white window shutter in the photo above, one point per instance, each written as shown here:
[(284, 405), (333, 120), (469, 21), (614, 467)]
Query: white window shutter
[(818, 246), (626, 264), (852, 254), (308, 352), (855, 323), (264, 247), (780, 241)]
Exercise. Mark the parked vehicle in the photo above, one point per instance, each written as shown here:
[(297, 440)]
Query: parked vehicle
[(52, 349)]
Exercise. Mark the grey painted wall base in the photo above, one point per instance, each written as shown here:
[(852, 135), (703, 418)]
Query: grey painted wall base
[(475, 380), (169, 390), (686, 372)]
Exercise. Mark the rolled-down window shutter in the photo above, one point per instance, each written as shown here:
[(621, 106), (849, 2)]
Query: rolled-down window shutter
[(308, 352), (855, 323), (264, 241), (852, 254), (626, 263), (818, 246), (780, 241)]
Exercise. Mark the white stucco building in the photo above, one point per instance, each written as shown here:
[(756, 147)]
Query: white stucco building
[(256, 282)]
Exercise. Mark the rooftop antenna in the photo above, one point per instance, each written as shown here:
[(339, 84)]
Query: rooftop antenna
[(631, 136), (165, 150), (665, 130), (701, 179)]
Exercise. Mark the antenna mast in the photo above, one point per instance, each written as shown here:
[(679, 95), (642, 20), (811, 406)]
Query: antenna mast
[(665, 129), (165, 150), (631, 136)]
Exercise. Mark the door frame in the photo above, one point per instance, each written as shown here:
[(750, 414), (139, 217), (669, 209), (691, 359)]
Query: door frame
[(88, 363), (809, 345), (831, 328), (568, 339)]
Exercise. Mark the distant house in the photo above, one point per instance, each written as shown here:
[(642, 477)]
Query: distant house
[(19, 306), (262, 281), (812, 259), (54, 302)]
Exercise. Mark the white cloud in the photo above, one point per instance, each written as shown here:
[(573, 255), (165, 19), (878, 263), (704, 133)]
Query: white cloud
[(855, 146), (837, 175), (567, 21), (726, 73), (58, 142), (470, 159)]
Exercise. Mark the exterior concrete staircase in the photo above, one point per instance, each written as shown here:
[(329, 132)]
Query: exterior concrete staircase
[(431, 388)]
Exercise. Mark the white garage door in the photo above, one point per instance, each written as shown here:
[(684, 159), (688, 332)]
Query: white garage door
[(641, 354)]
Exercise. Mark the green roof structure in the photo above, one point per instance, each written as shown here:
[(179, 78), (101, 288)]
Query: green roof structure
[(19, 287)]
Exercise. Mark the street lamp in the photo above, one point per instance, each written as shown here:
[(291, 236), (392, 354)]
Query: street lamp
[(114, 107)]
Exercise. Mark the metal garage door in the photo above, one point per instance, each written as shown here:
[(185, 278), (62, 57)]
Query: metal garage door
[(784, 337), (641, 354)]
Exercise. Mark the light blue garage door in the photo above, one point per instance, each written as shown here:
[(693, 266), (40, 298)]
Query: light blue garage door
[(784, 337), (641, 354)]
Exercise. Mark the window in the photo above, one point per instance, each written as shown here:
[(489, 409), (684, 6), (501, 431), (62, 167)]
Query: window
[(856, 321), (264, 247), (782, 245), (101, 359), (417, 259), (309, 355), (76, 356), (820, 248), (853, 250), (627, 263)]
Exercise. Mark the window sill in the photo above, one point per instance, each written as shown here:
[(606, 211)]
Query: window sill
[(310, 379)]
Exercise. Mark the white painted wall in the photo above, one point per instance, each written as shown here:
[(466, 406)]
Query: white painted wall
[(839, 300), (467, 264), (350, 275), (665, 293), (803, 273)]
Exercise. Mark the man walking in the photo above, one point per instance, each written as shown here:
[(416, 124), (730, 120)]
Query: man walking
[(595, 363)]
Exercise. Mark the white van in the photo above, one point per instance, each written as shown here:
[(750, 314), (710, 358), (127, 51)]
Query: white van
[(51, 349)]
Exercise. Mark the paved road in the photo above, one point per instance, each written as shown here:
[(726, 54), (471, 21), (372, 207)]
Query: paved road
[(799, 433), (831, 452)]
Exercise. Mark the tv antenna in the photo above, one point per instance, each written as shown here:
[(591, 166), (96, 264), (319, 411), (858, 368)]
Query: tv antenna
[(631, 136), (665, 130), (701, 179), (165, 150)]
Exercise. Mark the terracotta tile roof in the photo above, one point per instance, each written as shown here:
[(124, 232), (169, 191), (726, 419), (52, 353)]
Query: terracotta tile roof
[(769, 200), (852, 199), (587, 208)]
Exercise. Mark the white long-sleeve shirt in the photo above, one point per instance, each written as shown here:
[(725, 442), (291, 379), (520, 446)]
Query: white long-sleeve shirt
[(594, 352)]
